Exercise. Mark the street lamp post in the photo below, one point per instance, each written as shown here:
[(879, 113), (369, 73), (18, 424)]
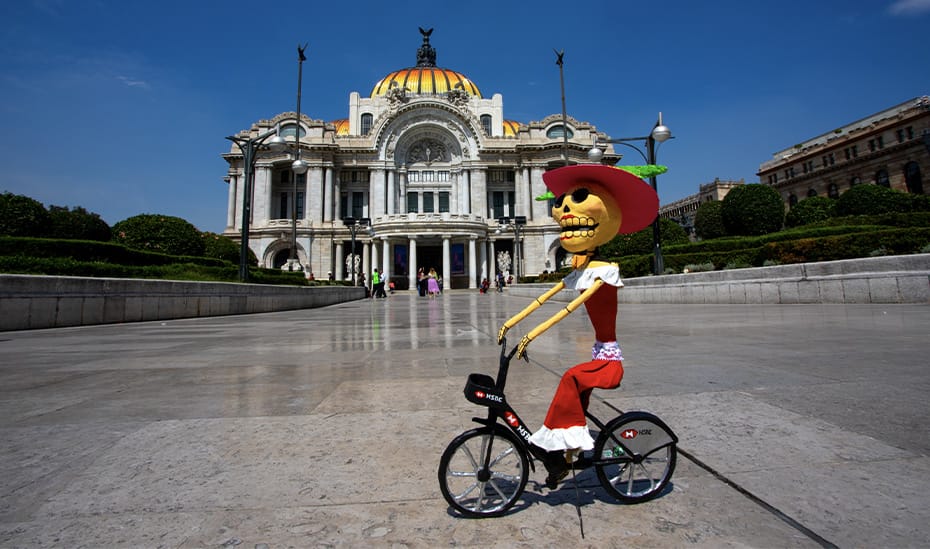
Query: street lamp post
[(250, 148), (516, 223), (353, 224), (299, 167), (660, 133)]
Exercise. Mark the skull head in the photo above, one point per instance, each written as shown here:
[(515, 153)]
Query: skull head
[(588, 216)]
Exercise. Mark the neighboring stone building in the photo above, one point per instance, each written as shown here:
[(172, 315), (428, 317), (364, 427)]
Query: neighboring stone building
[(890, 148), (433, 165), (682, 211)]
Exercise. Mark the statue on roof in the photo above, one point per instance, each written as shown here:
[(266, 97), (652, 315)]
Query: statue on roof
[(426, 54)]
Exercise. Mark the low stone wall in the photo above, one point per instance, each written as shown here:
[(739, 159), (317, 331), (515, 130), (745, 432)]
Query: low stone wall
[(31, 302), (889, 279)]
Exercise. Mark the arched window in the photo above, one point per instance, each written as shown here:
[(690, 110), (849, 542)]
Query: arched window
[(833, 191), (913, 179), (288, 130), (486, 123), (881, 178), (811, 192), (366, 123), (792, 200), (559, 132)]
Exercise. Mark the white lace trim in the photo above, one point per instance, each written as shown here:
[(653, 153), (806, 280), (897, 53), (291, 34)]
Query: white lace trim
[(609, 350), (575, 437), (583, 279)]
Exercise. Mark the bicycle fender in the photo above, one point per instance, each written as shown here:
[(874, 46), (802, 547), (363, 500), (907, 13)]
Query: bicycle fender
[(642, 433)]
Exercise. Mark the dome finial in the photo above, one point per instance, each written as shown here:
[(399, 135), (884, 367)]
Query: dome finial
[(426, 54)]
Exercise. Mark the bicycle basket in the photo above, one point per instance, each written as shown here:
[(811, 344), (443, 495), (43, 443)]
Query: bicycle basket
[(479, 389)]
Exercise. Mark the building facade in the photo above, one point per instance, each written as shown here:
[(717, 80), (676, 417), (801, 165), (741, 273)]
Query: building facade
[(440, 177), (682, 211), (889, 148)]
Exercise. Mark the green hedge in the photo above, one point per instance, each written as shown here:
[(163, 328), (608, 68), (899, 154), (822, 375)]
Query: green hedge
[(94, 251)]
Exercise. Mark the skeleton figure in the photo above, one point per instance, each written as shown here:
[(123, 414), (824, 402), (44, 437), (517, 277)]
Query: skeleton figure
[(593, 204)]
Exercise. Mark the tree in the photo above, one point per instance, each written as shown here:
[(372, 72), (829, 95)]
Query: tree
[(159, 233), (22, 216), (641, 242), (708, 220), (810, 210), (221, 247), (78, 224), (754, 209), (871, 199)]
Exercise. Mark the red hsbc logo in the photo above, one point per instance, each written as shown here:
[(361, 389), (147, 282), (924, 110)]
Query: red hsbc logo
[(629, 434), (479, 394), (511, 419)]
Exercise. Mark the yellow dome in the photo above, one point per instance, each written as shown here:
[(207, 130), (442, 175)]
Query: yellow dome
[(511, 128), (425, 80), (342, 126)]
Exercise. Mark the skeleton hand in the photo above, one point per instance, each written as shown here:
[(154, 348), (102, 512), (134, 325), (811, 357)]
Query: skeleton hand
[(501, 333), (521, 348)]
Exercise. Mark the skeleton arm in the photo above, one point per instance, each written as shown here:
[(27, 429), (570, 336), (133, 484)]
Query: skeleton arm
[(554, 319), (529, 309)]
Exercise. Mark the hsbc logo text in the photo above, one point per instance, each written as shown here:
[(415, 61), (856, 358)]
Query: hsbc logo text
[(486, 396)]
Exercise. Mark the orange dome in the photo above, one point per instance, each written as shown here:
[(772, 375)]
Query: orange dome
[(425, 80), (511, 128), (342, 126)]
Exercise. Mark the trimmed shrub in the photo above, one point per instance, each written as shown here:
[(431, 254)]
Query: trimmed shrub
[(159, 233), (640, 242), (78, 224), (708, 220), (871, 199), (22, 216), (221, 247), (810, 210), (753, 209)]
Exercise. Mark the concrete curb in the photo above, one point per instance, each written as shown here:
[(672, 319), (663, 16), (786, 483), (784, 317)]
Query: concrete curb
[(31, 302), (891, 279)]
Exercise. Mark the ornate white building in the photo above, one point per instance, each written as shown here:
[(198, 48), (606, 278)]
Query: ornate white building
[(430, 163)]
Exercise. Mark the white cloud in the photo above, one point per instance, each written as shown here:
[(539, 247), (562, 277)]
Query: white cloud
[(909, 7), (132, 82)]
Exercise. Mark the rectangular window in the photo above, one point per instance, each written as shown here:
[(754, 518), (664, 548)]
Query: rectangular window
[(442, 176), (282, 211), (428, 175), (428, 203), (871, 145), (413, 176), (443, 201), (881, 142), (511, 203), (358, 204), (343, 205), (285, 176), (501, 176), (497, 204), (900, 134), (300, 205), (412, 199), (855, 151)]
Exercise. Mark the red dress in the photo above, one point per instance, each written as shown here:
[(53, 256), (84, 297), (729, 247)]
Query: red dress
[(565, 426)]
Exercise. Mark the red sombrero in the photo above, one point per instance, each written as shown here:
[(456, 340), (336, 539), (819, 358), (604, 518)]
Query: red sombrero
[(638, 202)]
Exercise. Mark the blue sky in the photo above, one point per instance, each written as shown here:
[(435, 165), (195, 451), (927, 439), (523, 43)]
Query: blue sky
[(122, 106)]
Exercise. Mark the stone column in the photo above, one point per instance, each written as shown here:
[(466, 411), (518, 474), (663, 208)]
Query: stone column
[(446, 262), (493, 260), (472, 263), (385, 259), (261, 196), (483, 259), (327, 194), (391, 206), (340, 262), (313, 200), (412, 264), (376, 203), (366, 262), (232, 193), (375, 254), (337, 197)]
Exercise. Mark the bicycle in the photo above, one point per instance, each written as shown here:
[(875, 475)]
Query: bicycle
[(484, 471)]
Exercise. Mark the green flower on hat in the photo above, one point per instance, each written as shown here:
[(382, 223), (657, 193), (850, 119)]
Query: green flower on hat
[(642, 172)]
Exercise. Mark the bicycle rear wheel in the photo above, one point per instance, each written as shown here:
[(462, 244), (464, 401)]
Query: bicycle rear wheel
[(476, 491), (634, 457)]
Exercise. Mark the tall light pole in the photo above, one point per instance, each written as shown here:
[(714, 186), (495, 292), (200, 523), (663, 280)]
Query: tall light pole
[(559, 55), (250, 148), (353, 224), (516, 223), (299, 167), (660, 133)]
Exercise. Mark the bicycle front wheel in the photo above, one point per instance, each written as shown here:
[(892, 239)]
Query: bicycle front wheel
[(474, 489), (634, 457)]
